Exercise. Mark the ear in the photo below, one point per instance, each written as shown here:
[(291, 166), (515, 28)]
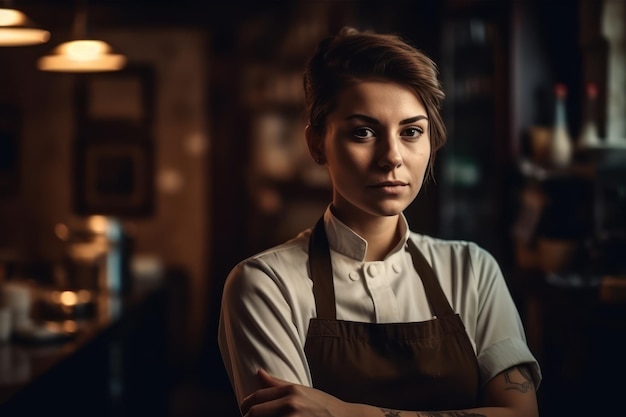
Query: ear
[(315, 144)]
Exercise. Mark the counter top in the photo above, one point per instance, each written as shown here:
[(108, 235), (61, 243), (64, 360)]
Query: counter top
[(31, 370)]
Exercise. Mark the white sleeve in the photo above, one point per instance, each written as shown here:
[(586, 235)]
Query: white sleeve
[(500, 337), (256, 329)]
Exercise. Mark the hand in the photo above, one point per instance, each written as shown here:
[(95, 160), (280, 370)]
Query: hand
[(280, 398)]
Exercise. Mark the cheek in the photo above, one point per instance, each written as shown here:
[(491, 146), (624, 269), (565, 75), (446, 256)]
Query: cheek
[(419, 165), (336, 151), (425, 160), (419, 154), (353, 159), (425, 152), (345, 167)]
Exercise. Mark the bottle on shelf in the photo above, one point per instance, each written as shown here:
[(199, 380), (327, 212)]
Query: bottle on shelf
[(589, 131), (561, 142)]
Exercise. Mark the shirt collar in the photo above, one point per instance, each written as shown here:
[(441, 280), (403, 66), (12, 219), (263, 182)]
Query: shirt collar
[(345, 241)]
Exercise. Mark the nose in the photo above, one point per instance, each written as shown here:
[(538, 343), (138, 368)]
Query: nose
[(390, 156)]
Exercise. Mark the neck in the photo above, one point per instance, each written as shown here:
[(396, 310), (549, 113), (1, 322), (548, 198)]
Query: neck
[(381, 240), (381, 233)]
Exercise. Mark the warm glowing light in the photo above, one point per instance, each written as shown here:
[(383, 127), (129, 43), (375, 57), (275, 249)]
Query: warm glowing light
[(17, 30), (10, 17), (69, 298), (22, 36), (97, 224), (82, 56), (83, 50)]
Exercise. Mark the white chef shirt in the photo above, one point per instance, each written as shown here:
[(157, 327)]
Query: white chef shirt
[(268, 301)]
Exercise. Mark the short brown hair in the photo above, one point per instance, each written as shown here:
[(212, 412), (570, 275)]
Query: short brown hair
[(352, 56)]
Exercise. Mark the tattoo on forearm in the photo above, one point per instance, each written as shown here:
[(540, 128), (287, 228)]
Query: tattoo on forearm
[(449, 414), (521, 381), (395, 413), (522, 384)]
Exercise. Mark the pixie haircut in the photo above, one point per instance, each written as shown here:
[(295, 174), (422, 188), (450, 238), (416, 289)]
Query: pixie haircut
[(353, 56)]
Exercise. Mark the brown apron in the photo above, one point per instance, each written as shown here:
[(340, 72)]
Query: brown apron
[(427, 365)]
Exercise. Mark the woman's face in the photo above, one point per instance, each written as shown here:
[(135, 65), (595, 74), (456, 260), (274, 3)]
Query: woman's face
[(376, 149)]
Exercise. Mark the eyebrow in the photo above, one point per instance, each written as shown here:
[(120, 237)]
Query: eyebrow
[(372, 120)]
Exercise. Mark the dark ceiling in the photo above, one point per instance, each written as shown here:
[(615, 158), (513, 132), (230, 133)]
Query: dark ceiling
[(121, 13)]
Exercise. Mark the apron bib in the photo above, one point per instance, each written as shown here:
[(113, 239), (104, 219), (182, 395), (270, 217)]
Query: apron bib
[(427, 365)]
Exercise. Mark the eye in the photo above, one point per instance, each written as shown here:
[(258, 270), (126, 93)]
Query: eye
[(413, 132), (363, 133)]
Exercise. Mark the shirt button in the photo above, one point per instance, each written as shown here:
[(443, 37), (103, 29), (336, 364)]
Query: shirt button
[(372, 270), (354, 276), (396, 268)]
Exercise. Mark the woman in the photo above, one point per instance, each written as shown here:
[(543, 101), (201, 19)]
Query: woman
[(359, 316)]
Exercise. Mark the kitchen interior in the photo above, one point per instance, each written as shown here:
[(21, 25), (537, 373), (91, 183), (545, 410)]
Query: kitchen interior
[(129, 191)]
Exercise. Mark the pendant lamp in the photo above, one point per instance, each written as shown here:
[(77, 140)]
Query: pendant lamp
[(16, 29), (82, 54)]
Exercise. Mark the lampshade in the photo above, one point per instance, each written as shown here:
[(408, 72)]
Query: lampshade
[(82, 56), (18, 30)]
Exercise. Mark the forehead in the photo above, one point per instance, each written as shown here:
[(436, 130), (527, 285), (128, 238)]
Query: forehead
[(380, 99)]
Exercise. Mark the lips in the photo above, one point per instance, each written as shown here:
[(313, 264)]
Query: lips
[(388, 184)]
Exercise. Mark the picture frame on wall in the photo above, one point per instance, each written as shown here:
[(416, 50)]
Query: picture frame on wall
[(114, 148), (114, 176)]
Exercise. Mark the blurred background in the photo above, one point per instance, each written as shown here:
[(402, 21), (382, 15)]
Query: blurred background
[(129, 191)]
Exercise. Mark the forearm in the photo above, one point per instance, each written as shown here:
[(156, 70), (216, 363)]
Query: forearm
[(362, 410), (510, 394)]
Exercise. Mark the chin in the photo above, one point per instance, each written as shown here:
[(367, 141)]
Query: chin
[(388, 210)]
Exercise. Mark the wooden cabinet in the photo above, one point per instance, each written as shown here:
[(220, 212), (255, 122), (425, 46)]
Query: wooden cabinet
[(570, 278)]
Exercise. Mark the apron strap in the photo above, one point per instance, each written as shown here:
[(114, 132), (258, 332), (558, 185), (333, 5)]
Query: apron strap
[(322, 273), (432, 287)]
